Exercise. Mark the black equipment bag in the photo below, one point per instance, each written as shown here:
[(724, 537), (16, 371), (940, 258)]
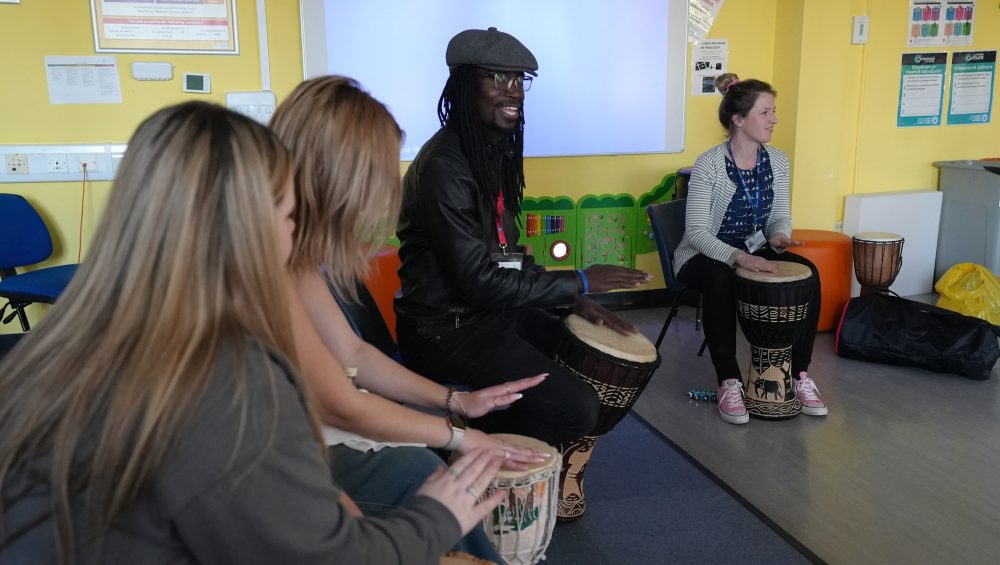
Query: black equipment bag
[(897, 331)]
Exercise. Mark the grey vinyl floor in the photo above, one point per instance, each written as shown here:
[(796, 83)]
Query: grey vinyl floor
[(904, 469)]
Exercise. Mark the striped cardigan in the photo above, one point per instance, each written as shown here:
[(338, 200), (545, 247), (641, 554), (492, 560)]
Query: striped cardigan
[(709, 193)]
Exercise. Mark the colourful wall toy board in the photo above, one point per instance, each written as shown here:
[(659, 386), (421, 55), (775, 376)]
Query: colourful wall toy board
[(548, 228), (645, 242), (599, 229), (607, 230)]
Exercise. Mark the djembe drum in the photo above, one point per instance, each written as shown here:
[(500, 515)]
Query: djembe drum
[(878, 257), (772, 310), (521, 526), (619, 368)]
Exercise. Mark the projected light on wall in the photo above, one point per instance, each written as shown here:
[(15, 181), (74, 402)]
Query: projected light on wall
[(611, 74)]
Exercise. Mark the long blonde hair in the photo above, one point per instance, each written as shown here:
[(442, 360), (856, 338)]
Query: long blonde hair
[(184, 261), (347, 180)]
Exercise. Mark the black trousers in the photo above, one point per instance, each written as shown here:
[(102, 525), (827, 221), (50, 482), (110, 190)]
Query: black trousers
[(499, 347), (717, 283)]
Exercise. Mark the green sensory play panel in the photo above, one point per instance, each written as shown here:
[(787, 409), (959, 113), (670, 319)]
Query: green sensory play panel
[(549, 229), (665, 191), (606, 230)]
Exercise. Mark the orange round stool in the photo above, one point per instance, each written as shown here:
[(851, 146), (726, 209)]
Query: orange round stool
[(831, 252), (383, 283)]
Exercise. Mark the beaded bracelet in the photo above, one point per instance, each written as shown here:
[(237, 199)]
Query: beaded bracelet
[(447, 400)]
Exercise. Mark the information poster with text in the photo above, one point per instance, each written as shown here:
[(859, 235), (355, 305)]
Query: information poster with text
[(973, 75), (935, 22), (165, 26), (921, 89)]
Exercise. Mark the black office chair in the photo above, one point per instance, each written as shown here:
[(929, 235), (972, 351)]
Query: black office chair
[(25, 240), (667, 219), (366, 320)]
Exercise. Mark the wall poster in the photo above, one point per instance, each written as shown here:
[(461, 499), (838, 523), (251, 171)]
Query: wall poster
[(937, 22), (165, 26), (921, 89), (972, 78)]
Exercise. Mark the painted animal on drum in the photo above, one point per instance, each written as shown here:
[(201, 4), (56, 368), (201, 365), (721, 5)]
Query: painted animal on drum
[(765, 387)]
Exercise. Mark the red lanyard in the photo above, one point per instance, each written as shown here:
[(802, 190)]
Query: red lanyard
[(500, 235)]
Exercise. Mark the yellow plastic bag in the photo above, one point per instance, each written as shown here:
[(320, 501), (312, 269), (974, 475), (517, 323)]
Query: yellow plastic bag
[(970, 289)]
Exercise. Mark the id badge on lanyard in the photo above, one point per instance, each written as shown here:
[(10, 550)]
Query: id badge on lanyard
[(757, 240), (503, 259)]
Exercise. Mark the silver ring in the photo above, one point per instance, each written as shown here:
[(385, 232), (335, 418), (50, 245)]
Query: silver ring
[(506, 454), (469, 490), (452, 472), (507, 387)]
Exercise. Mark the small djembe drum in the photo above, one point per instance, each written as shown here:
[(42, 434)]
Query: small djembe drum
[(772, 310), (521, 526), (878, 257), (619, 368)]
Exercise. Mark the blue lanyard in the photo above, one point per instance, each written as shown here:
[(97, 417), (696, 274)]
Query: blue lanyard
[(754, 201)]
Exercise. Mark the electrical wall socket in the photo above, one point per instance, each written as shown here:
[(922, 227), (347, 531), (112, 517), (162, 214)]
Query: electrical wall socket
[(56, 163), (838, 226), (17, 163), (93, 164)]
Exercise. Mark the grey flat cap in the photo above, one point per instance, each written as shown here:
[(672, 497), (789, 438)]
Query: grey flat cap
[(490, 48)]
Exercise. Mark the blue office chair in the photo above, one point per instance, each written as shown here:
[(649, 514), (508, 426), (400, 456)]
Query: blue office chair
[(25, 240), (667, 219)]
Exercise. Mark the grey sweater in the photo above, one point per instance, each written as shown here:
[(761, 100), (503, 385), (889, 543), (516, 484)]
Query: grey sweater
[(709, 194), (242, 487)]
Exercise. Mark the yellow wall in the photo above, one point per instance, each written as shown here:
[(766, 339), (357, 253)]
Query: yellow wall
[(837, 104), (35, 28)]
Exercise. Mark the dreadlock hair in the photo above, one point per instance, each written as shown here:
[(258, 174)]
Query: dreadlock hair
[(495, 166)]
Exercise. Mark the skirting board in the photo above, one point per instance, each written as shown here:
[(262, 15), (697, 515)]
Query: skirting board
[(913, 214)]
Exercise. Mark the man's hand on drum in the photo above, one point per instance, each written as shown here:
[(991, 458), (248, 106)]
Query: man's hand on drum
[(459, 486), (478, 403), (782, 241), (594, 313), (603, 278), (510, 456), (755, 263)]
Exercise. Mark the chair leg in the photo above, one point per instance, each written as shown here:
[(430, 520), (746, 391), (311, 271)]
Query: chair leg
[(697, 315), (17, 309), (704, 344), (670, 316)]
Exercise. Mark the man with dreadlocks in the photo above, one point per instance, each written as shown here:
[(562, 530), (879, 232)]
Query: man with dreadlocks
[(472, 310)]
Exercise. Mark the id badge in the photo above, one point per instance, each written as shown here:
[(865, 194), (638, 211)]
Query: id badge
[(755, 241), (508, 260)]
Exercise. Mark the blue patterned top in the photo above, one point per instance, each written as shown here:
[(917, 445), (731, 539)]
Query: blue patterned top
[(740, 222)]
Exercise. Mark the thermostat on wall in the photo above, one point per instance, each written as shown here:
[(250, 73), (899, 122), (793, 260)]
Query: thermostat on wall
[(197, 82)]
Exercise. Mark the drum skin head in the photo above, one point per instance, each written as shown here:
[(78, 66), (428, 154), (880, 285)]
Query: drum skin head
[(787, 272), (530, 443), (879, 236), (635, 348)]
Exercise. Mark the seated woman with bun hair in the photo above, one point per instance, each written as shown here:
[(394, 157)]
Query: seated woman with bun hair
[(738, 214)]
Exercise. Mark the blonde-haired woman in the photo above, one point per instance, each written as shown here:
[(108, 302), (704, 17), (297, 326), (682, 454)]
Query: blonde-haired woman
[(348, 184), (155, 416)]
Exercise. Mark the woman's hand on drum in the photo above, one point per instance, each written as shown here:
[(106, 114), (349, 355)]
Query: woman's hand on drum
[(782, 241), (603, 278), (755, 263), (594, 313), (478, 403), (459, 487), (512, 457)]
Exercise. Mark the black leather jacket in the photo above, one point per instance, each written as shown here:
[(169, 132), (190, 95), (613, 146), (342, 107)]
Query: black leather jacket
[(447, 235)]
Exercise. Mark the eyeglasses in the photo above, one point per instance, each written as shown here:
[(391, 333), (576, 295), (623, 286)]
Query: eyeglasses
[(507, 81)]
